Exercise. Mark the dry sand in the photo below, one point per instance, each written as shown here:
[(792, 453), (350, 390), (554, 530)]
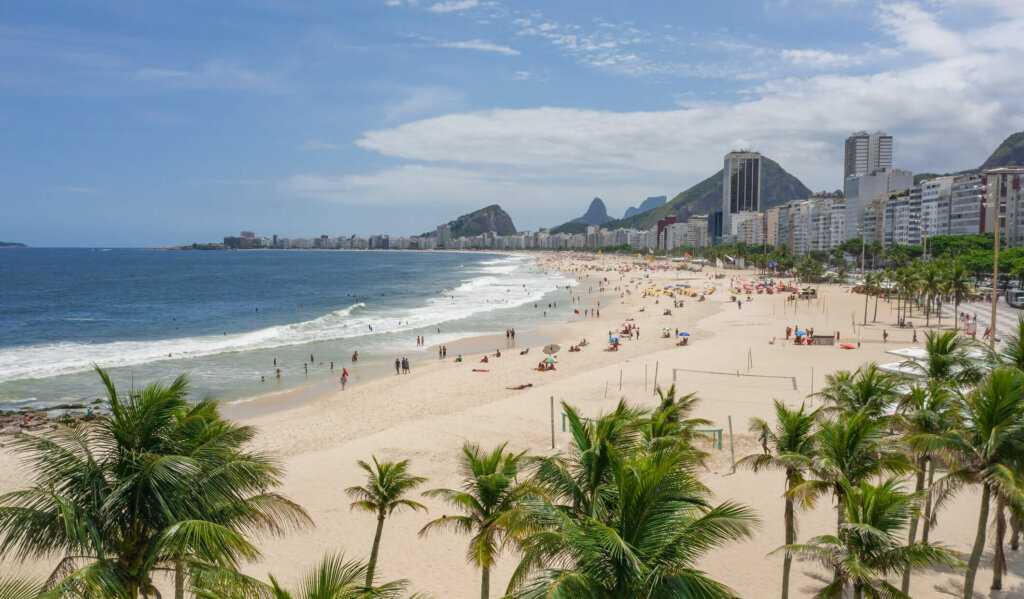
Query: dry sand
[(426, 416)]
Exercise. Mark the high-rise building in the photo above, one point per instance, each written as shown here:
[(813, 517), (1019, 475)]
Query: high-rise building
[(1006, 183), (741, 186), (935, 194), (867, 153), (862, 190)]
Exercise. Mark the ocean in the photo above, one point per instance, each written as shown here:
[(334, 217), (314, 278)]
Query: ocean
[(224, 317)]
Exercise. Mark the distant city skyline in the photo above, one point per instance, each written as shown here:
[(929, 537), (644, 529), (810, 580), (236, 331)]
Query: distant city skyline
[(148, 123)]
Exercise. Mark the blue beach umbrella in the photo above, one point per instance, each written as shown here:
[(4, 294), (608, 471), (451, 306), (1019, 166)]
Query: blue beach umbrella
[(684, 334), (801, 333)]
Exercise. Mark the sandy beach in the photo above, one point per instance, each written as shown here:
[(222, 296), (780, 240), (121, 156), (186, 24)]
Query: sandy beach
[(426, 416)]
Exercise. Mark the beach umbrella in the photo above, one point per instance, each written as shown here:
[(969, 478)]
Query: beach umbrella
[(684, 334), (551, 360), (550, 349), (613, 339), (800, 333)]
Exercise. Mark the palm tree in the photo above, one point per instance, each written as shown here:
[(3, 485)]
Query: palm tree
[(983, 450), (489, 493), (158, 485), (958, 283), (948, 359), (646, 543), (930, 287), (867, 389), (868, 287), (792, 445), (866, 548), (670, 423), (336, 578), (1012, 352), (384, 493), (579, 477), (852, 447), (930, 410)]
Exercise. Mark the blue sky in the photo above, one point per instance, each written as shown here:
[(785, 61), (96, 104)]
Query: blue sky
[(133, 123)]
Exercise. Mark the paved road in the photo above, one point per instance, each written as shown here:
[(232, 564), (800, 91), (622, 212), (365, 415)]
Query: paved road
[(1006, 316)]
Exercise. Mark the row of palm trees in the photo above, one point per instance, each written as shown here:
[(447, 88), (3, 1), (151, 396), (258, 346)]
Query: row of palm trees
[(962, 415), (164, 487), (923, 284)]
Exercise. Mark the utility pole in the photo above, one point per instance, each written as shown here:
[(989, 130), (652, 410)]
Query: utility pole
[(995, 275), (863, 236)]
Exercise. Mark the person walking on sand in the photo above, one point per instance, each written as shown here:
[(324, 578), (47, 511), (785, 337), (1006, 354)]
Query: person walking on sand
[(343, 380), (885, 336), (764, 441), (915, 336), (398, 367)]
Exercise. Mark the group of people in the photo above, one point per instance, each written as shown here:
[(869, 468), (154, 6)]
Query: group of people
[(576, 348), (510, 334), (402, 366), (421, 340), (442, 352)]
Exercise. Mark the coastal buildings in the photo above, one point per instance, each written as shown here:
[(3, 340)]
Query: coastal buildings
[(861, 191), (867, 153), (935, 196), (1004, 185), (741, 188)]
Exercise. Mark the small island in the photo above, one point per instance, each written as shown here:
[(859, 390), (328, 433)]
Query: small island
[(12, 244)]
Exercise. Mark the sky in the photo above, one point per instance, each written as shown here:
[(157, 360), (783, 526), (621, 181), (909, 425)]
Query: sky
[(137, 123)]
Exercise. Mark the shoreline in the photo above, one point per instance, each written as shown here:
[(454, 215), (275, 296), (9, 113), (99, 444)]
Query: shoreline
[(730, 363)]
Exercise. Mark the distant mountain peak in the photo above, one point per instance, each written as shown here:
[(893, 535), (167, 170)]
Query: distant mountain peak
[(488, 218), (647, 205), (595, 214)]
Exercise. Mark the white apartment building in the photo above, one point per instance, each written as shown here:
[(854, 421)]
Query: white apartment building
[(903, 218), (935, 196), (967, 213), (1005, 184), (862, 190)]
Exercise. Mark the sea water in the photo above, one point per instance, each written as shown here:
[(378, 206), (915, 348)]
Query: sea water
[(224, 317)]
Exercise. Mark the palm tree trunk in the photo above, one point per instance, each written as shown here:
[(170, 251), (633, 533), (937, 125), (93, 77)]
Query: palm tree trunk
[(979, 544), (956, 309), (485, 583), (905, 586), (998, 556), (858, 591), (179, 579), (370, 567), (875, 317), (787, 561), (928, 502), (1014, 533), (866, 298), (938, 310)]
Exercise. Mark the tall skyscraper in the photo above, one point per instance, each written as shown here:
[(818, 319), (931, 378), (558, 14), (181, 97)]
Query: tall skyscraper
[(867, 153), (741, 186)]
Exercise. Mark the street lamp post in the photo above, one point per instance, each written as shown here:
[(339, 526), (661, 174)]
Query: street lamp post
[(995, 275)]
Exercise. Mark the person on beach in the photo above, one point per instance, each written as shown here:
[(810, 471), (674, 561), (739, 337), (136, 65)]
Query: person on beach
[(885, 336), (311, 360), (459, 358), (305, 367), (398, 366), (485, 360), (440, 353), (915, 336), (332, 366), (278, 373), (355, 357), (263, 379), (343, 381), (275, 362), (764, 441)]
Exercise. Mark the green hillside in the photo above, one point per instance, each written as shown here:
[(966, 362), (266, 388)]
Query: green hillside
[(777, 188), (1009, 153)]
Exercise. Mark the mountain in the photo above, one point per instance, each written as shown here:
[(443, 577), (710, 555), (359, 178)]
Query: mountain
[(491, 218), (11, 244), (648, 204), (595, 214), (1009, 153), (777, 188)]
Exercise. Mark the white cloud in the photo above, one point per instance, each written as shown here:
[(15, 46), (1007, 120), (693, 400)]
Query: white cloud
[(521, 75), (312, 144), (452, 5), (818, 58), (919, 31), (480, 45), (424, 101)]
